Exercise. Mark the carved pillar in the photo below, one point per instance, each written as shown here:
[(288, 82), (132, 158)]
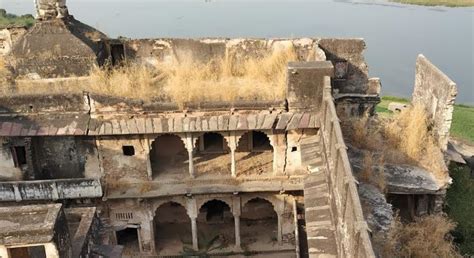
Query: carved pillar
[(194, 232), (232, 140), (189, 144), (280, 209), (236, 211), (280, 233), (193, 213)]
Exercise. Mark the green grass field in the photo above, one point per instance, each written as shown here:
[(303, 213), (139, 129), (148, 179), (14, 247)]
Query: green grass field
[(8, 19), (460, 207), (449, 3), (462, 127)]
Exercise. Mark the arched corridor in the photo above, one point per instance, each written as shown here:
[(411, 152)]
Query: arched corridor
[(172, 229), (169, 158), (254, 154), (216, 229), (259, 225), (212, 156)]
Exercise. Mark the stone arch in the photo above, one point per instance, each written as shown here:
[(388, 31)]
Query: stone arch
[(172, 227), (169, 157), (267, 134), (179, 200), (259, 223), (270, 199), (215, 224), (213, 155), (202, 201), (223, 136), (251, 160)]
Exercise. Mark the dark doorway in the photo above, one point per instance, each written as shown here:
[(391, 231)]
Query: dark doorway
[(117, 54), (128, 238), (19, 155), (215, 211)]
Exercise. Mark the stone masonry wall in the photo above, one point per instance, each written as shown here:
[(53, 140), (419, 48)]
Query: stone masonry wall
[(437, 94)]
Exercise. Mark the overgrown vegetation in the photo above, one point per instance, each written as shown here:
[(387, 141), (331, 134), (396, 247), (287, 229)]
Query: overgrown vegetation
[(8, 19), (404, 138), (190, 80), (460, 207), (463, 118), (449, 3), (427, 236), (186, 80)]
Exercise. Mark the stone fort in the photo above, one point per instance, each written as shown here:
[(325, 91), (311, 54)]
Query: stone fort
[(110, 176)]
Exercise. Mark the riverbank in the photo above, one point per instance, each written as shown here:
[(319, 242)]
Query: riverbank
[(463, 118), (448, 3)]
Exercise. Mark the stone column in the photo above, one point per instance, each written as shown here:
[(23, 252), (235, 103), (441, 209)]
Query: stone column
[(236, 211), (280, 234), (194, 233), (237, 233), (193, 213), (233, 140), (189, 144), (280, 209)]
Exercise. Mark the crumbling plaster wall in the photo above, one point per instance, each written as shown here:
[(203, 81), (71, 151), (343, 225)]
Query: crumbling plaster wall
[(117, 166), (65, 157), (437, 94)]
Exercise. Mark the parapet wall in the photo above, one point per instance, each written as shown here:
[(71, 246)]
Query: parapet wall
[(167, 49), (437, 94)]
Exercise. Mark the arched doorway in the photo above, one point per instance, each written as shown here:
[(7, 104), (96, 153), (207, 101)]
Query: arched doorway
[(169, 158), (172, 229), (215, 227), (254, 154), (259, 225), (212, 156)]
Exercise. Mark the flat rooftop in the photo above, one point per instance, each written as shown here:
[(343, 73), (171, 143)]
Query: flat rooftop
[(31, 224)]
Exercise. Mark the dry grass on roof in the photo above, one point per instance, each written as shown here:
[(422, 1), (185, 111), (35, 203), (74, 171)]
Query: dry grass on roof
[(188, 80), (181, 81)]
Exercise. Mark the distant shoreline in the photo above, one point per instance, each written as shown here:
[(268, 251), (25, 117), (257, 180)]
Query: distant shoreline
[(448, 3)]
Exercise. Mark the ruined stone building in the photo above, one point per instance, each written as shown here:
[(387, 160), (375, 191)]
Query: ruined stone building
[(240, 178)]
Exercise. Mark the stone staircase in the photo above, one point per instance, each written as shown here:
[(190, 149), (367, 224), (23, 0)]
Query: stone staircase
[(320, 226)]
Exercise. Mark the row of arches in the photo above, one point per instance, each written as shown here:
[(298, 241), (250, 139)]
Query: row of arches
[(216, 228), (211, 155)]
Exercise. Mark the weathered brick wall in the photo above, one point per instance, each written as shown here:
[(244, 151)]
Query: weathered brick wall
[(437, 94)]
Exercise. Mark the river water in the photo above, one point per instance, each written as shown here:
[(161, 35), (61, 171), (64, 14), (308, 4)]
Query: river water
[(395, 34)]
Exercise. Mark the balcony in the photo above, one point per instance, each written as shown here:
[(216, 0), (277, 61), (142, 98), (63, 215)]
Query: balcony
[(50, 190)]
